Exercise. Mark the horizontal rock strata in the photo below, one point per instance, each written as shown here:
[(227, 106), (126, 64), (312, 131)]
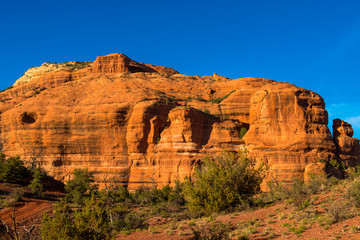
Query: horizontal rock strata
[(136, 123)]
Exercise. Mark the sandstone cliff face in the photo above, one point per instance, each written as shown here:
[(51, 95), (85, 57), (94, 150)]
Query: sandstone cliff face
[(146, 124), (36, 72), (288, 130), (120, 63), (348, 148)]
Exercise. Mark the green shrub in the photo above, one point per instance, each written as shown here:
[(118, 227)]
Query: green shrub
[(298, 230), (354, 192), (80, 186), (336, 164), (115, 195), (243, 237), (298, 193), (354, 173), (339, 211), (36, 185), (242, 133), (60, 226), (95, 220), (216, 231), (12, 170), (13, 198), (92, 221), (220, 99), (318, 183), (147, 197), (223, 183)]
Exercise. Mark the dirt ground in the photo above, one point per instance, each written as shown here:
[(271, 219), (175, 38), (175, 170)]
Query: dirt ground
[(273, 222)]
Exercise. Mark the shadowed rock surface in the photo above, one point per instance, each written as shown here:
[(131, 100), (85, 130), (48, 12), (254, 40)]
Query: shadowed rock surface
[(147, 124)]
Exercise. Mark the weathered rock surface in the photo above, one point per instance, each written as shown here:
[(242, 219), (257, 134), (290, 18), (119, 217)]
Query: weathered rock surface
[(348, 148), (36, 72), (288, 130), (147, 124)]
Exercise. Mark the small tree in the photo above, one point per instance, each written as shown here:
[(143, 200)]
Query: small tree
[(60, 226), (222, 183), (93, 222), (12, 170), (36, 184), (80, 185)]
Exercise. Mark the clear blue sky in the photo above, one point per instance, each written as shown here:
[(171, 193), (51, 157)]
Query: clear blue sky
[(312, 44)]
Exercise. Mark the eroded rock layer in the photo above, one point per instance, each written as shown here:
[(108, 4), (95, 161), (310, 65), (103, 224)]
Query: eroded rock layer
[(147, 124), (288, 130), (348, 148)]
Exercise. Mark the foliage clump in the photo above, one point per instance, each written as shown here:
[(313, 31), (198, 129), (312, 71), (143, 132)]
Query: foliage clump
[(223, 183), (99, 214), (354, 192), (298, 193), (215, 231), (220, 99), (12, 170), (242, 133), (80, 186), (36, 185)]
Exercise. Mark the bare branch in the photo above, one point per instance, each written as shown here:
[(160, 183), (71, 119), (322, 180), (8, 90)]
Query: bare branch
[(13, 217), (28, 231)]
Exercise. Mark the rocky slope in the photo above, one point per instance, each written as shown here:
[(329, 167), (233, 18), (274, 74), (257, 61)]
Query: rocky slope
[(139, 124), (47, 67)]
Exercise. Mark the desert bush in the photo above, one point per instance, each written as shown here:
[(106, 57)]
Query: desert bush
[(80, 186), (298, 193), (12, 170), (242, 133), (60, 225), (353, 173), (132, 220), (13, 198), (222, 183), (220, 99), (166, 202), (95, 220), (36, 185), (216, 231), (167, 194), (336, 164), (149, 197), (318, 183), (276, 192), (339, 211), (354, 192), (92, 221)]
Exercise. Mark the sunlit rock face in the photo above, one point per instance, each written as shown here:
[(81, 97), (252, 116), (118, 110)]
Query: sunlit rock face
[(348, 148), (137, 123), (288, 130)]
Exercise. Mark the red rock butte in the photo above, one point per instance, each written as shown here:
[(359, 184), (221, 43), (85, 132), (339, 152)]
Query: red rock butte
[(137, 123)]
